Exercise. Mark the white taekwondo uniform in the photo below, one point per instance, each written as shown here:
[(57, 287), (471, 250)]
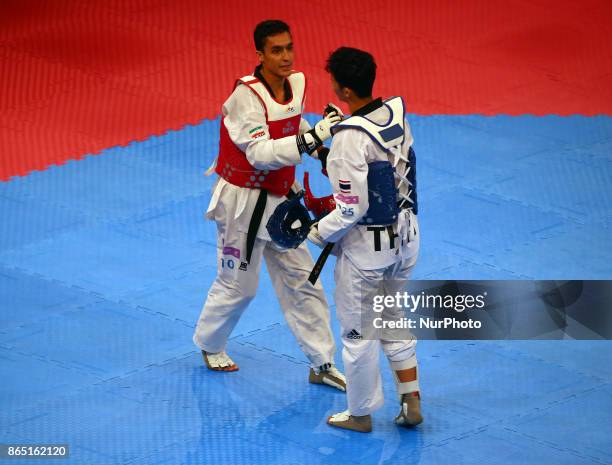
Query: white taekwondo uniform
[(371, 259), (256, 129)]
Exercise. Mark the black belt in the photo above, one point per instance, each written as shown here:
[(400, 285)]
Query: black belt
[(258, 212), (318, 267)]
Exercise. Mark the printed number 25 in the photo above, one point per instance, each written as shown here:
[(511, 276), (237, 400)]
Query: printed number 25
[(348, 211)]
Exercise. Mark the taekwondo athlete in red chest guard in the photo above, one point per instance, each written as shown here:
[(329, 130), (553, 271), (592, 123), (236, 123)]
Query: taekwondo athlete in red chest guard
[(262, 137)]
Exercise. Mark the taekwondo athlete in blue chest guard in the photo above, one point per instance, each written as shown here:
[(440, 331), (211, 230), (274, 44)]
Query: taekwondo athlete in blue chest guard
[(372, 168)]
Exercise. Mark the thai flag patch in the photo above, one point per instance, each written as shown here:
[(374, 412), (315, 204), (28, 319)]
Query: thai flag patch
[(345, 186)]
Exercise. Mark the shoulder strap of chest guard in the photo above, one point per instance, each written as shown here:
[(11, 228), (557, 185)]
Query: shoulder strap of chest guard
[(387, 135)]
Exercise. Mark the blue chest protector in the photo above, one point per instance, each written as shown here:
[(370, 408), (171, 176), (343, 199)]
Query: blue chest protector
[(383, 202)]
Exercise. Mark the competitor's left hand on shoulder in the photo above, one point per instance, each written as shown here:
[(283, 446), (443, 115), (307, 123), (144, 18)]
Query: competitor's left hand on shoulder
[(322, 129), (332, 115), (313, 139)]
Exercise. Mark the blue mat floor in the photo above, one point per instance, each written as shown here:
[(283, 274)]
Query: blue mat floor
[(105, 264)]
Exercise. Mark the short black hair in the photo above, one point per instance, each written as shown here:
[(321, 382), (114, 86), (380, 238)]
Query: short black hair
[(353, 68), (269, 27)]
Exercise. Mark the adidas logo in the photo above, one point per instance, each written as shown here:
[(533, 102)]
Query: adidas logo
[(354, 334)]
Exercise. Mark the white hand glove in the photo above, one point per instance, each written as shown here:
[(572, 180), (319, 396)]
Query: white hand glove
[(313, 139), (323, 128), (315, 237)]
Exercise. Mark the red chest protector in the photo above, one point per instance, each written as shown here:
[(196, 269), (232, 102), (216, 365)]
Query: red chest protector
[(283, 120)]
